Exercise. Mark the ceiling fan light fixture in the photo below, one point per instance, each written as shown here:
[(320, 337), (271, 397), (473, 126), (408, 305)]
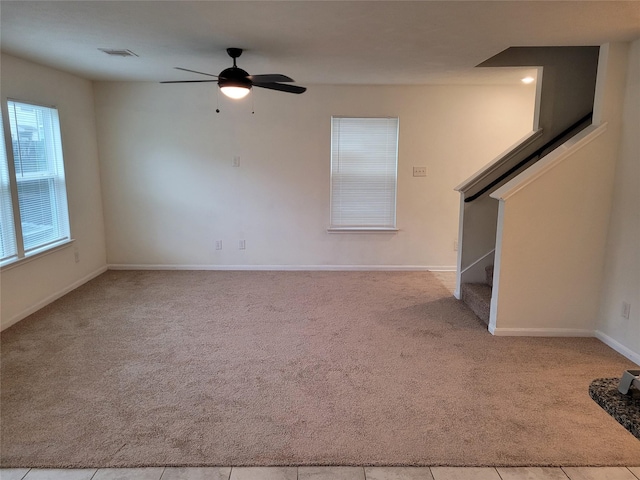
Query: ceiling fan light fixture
[(234, 82), (235, 92)]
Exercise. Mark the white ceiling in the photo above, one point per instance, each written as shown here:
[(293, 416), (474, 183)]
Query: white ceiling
[(314, 42)]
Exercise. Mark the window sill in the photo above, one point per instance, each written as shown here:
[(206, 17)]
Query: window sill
[(35, 255), (362, 230)]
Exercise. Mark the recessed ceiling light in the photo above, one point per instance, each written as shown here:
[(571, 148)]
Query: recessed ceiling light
[(528, 80), (118, 52)]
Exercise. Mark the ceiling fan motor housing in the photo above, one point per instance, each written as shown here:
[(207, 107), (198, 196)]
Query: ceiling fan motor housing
[(234, 77)]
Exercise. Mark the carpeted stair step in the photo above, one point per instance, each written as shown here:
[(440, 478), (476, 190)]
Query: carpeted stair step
[(489, 273), (478, 298)]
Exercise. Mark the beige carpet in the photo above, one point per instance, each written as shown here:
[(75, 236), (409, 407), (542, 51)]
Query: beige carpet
[(294, 368)]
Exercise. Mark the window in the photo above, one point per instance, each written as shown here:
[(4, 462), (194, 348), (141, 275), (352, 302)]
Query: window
[(7, 232), (35, 178), (364, 166)]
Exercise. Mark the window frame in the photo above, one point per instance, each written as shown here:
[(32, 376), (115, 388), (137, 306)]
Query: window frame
[(22, 254), (363, 228)]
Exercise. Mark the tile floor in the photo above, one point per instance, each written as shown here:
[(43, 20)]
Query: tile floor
[(326, 473)]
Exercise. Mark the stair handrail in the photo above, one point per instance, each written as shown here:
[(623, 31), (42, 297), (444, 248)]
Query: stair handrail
[(537, 153)]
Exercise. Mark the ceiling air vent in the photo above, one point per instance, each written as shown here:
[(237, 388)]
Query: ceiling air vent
[(118, 52)]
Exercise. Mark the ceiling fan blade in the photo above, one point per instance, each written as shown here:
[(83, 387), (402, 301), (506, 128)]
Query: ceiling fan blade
[(190, 81), (195, 71), (281, 87), (269, 78)]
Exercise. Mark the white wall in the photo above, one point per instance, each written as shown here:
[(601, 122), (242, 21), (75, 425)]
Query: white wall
[(31, 285), (550, 245), (170, 191), (622, 267)]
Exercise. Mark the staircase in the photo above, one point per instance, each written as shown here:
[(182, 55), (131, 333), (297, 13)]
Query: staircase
[(561, 121), (477, 296)]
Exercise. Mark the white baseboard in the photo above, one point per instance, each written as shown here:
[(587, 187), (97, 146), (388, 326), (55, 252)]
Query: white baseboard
[(408, 268), (540, 332), (618, 347), (51, 298)]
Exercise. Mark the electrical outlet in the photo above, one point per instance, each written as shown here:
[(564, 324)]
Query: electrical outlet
[(626, 310), (236, 161), (242, 245), (218, 244), (419, 171), (455, 245), (76, 254)]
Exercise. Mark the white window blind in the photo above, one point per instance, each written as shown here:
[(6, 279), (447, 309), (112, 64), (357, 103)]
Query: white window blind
[(8, 248), (364, 166), (39, 175)]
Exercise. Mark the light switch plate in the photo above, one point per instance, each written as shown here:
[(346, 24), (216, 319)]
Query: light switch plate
[(419, 171)]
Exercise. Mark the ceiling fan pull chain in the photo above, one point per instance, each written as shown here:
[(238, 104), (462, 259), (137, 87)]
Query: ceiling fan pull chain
[(217, 100)]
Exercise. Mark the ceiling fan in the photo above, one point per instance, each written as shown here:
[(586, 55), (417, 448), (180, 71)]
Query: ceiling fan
[(234, 82)]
